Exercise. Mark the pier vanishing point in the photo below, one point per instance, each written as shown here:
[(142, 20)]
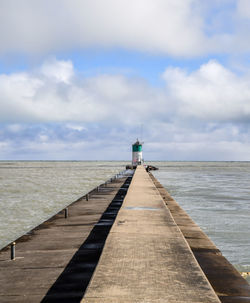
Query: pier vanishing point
[(128, 241)]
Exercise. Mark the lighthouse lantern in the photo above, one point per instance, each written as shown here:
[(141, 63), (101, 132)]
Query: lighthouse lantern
[(137, 153)]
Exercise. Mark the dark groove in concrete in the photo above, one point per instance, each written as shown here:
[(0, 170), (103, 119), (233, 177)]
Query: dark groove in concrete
[(81, 267), (146, 258), (43, 255)]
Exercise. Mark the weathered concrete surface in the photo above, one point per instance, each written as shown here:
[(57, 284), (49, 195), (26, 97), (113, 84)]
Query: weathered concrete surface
[(146, 258), (224, 278), (43, 265)]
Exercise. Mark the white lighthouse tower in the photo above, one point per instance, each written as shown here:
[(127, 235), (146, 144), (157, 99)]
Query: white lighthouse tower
[(137, 153)]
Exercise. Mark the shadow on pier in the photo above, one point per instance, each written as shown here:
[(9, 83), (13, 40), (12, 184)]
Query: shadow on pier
[(73, 281)]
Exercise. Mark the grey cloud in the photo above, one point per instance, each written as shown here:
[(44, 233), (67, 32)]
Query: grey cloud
[(163, 141), (198, 115), (179, 28)]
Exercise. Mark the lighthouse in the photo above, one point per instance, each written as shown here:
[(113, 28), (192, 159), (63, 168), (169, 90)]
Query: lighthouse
[(137, 153)]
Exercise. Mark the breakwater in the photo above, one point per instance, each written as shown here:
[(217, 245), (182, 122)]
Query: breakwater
[(227, 282), (54, 262), (62, 252), (32, 191), (216, 196)]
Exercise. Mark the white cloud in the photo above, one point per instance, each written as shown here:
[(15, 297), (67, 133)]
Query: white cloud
[(177, 27), (17, 93), (243, 8), (59, 71), (76, 127), (211, 93), (195, 116), (54, 93)]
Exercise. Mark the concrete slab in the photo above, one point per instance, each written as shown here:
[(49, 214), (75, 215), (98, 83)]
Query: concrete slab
[(227, 282), (146, 257), (53, 262)]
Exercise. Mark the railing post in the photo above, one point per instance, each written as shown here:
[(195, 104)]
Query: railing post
[(12, 251)]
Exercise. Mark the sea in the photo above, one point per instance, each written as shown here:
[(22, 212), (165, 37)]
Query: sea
[(215, 194)]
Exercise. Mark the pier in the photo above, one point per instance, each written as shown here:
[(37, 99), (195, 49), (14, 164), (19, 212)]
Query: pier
[(227, 282), (126, 241), (55, 261), (146, 257)]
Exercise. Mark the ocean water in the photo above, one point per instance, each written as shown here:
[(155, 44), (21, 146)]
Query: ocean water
[(217, 197), (31, 192), (215, 194)]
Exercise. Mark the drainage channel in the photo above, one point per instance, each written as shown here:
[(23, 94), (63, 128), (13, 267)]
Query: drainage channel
[(73, 281)]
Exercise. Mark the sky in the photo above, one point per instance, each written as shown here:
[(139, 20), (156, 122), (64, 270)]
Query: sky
[(83, 79)]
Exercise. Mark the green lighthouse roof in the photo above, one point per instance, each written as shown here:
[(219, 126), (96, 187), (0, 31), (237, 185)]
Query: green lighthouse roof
[(137, 146)]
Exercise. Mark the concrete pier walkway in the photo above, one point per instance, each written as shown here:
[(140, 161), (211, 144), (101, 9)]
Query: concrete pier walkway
[(226, 281), (146, 257), (55, 261)]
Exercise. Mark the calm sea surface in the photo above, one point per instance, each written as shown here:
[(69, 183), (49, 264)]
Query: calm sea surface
[(215, 194)]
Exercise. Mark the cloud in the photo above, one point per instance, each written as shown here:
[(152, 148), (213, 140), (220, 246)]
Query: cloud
[(243, 8), (60, 114), (54, 93), (45, 26), (211, 93), (178, 28), (75, 127), (163, 141), (58, 71)]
